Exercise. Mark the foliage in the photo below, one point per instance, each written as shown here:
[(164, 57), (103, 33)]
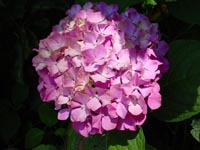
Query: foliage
[(114, 140), (180, 87), (33, 137), (196, 129), (27, 123)]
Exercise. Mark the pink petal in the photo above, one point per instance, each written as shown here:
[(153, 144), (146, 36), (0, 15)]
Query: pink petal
[(96, 121), (77, 62), (81, 98), (109, 30), (74, 104), (68, 82), (91, 68), (127, 123), (53, 69), (107, 72), (55, 41), (40, 66), (81, 14), (44, 53), (59, 80), (128, 88), (94, 17), (105, 99), (152, 65), (51, 94), (146, 74), (154, 101), (90, 37), (121, 110), (100, 53), (63, 114), (62, 65), (73, 50), (78, 114), (83, 128), (115, 92), (116, 81), (98, 77), (108, 123), (126, 77), (135, 109), (62, 99), (124, 57), (111, 110), (130, 123), (93, 104), (145, 91), (140, 119)]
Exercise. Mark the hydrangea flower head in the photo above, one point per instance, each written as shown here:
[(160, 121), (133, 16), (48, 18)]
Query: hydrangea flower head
[(101, 68)]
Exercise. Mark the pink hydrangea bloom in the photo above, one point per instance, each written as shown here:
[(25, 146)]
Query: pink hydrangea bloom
[(101, 68)]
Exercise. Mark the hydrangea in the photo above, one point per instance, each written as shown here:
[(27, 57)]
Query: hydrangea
[(101, 68)]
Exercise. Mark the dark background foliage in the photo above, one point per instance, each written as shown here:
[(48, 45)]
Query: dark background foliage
[(28, 123)]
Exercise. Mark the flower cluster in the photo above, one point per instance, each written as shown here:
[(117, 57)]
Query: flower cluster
[(101, 68)]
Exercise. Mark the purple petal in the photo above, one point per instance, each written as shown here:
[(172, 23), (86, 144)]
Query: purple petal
[(74, 9), (162, 48)]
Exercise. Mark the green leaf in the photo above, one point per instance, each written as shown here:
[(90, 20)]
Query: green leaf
[(76, 141), (33, 137), (150, 2), (114, 140), (47, 115), (45, 147), (180, 87), (126, 140), (186, 10), (10, 123), (196, 129), (61, 132), (123, 4)]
